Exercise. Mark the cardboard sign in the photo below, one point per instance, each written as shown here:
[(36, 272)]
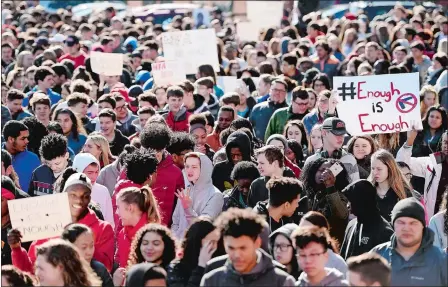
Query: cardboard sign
[(201, 17), (40, 217), (108, 64), (265, 14), (168, 73), (247, 31), (192, 48), (379, 104)]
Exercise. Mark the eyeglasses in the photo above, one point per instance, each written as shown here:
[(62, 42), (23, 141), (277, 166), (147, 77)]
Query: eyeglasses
[(121, 108), (301, 104), (312, 256), (278, 91), (282, 247)]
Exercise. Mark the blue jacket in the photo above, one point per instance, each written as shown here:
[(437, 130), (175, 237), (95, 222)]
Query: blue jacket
[(54, 97), (427, 267), (310, 120), (24, 163), (76, 145), (21, 115), (261, 114), (42, 181)]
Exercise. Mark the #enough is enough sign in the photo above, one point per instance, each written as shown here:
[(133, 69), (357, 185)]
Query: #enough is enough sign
[(379, 104)]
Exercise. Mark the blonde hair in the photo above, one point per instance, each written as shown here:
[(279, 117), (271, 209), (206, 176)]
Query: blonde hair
[(423, 107), (20, 58), (144, 199), (395, 178), (100, 141), (13, 75), (389, 141), (310, 146)]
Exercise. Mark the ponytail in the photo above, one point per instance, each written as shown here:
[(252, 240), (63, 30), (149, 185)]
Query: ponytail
[(144, 199)]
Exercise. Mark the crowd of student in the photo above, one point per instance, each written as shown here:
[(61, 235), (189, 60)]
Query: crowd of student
[(191, 185)]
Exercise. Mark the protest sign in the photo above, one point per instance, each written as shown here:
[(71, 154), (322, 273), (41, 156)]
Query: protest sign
[(201, 17), (247, 31), (168, 73), (379, 104), (265, 14), (108, 64), (230, 83), (40, 217), (193, 48)]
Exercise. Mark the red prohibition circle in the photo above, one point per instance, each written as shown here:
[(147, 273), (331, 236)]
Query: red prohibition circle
[(413, 103)]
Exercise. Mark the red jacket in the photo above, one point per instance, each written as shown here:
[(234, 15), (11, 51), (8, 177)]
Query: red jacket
[(104, 245), (293, 167), (178, 122), (124, 240), (122, 184), (168, 179)]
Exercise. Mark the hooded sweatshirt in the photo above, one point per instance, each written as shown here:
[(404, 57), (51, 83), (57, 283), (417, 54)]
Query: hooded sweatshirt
[(135, 277), (118, 143), (178, 122), (286, 230), (222, 170), (265, 273), (333, 278), (206, 200), (199, 105), (369, 228), (109, 176), (126, 126), (427, 267)]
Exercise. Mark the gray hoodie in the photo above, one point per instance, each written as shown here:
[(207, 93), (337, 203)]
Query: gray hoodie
[(263, 274), (333, 278), (206, 200)]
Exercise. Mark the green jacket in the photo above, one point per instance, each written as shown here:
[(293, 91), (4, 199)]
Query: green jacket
[(279, 119)]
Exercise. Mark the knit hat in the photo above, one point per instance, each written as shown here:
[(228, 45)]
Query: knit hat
[(279, 138), (83, 160), (409, 207), (77, 179)]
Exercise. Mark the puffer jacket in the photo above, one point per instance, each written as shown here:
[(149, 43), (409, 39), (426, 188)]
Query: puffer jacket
[(179, 121), (178, 276)]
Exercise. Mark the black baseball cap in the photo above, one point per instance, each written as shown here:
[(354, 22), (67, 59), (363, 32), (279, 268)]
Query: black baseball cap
[(335, 125), (42, 42), (71, 40)]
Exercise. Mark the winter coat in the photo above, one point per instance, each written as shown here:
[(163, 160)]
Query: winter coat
[(295, 169), (118, 143), (124, 239), (178, 276), (333, 278), (104, 245), (76, 144), (222, 170), (329, 66), (20, 115), (213, 105), (279, 119), (102, 272), (199, 105), (178, 122), (206, 200), (168, 180), (427, 267), (437, 225), (24, 163), (42, 181), (234, 198), (261, 114), (109, 176), (126, 127), (265, 273)]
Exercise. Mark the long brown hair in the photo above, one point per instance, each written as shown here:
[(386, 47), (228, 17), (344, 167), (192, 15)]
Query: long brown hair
[(389, 141), (351, 143), (395, 178), (144, 199), (76, 271)]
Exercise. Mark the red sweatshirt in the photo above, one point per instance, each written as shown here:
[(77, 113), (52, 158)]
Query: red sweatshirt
[(104, 245), (293, 167), (124, 240), (178, 122), (122, 184)]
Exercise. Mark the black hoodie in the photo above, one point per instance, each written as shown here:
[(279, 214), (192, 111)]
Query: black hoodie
[(222, 170), (199, 105), (117, 145), (135, 277), (369, 229)]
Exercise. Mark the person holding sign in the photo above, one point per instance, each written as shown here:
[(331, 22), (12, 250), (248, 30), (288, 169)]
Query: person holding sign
[(435, 123), (79, 188)]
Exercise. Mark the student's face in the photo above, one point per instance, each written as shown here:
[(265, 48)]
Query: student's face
[(399, 56), (58, 164), (278, 93), (311, 100), (80, 109), (179, 159), (92, 171), (435, 120), (14, 106), (406, 173), (121, 109), (290, 207), (283, 251), (125, 212), (152, 247), (300, 106), (321, 52), (242, 252), (291, 156), (409, 231), (174, 104), (429, 99), (286, 68), (65, 122), (380, 172), (48, 82), (86, 245), (319, 86), (193, 169), (445, 144), (236, 155), (318, 177), (161, 97), (7, 54), (263, 88), (312, 259), (92, 148), (203, 90), (48, 274), (316, 139), (416, 53), (278, 144), (371, 53), (264, 167), (200, 136), (294, 133), (333, 140), (21, 142), (42, 112), (224, 119), (155, 283), (104, 105), (362, 148), (143, 119), (244, 185), (107, 125), (78, 198)]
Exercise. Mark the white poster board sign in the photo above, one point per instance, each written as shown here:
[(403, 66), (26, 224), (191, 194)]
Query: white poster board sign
[(168, 73), (108, 64), (247, 31), (379, 104), (40, 217), (265, 14), (193, 48)]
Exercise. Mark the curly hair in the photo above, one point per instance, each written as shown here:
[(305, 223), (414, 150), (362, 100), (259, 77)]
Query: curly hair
[(37, 132), (140, 165), (17, 277), (169, 242), (53, 146), (181, 141), (155, 136), (76, 271), (245, 170)]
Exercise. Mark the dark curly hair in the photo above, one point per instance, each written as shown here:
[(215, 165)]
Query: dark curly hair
[(309, 172), (140, 165), (17, 277), (37, 132), (53, 146), (155, 136), (181, 141), (245, 170), (169, 251)]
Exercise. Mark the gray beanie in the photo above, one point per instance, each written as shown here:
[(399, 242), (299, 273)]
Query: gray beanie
[(279, 138), (409, 207)]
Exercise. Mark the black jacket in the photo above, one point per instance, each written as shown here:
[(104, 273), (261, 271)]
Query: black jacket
[(117, 145), (178, 275), (258, 191), (222, 170), (42, 180), (232, 198), (102, 272)]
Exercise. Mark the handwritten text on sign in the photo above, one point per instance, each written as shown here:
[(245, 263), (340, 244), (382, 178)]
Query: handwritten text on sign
[(168, 73), (108, 64), (379, 104), (40, 217)]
